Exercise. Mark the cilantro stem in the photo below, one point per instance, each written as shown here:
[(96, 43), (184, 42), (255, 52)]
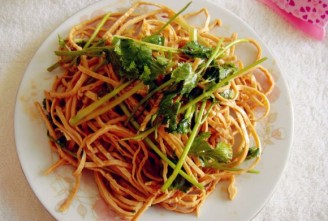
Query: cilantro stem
[(217, 52), (193, 34), (87, 110), (148, 96), (230, 45), (232, 169), (184, 154), (221, 83), (212, 57), (159, 152), (94, 34), (152, 46), (82, 52), (141, 136), (253, 171), (171, 19), (115, 102), (207, 112), (54, 66), (57, 64), (172, 165), (182, 22)]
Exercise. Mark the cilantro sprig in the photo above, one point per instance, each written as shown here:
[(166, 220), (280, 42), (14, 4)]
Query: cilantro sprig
[(222, 153), (186, 149), (136, 61)]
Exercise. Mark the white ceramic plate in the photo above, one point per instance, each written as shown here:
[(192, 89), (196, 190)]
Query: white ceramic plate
[(35, 155)]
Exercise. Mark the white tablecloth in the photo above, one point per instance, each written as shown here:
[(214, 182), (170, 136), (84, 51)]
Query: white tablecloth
[(302, 193)]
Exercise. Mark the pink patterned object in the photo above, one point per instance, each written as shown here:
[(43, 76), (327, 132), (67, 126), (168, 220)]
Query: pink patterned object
[(310, 16)]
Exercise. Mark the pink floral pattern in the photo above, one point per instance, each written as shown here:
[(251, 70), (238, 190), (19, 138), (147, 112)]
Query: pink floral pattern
[(312, 11), (311, 16)]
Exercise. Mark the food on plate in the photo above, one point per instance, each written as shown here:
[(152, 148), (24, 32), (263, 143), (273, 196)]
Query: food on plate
[(158, 109)]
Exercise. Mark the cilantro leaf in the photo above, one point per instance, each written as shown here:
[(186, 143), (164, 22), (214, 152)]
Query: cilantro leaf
[(169, 111), (217, 72), (185, 73), (226, 70), (253, 152), (146, 75), (227, 94), (195, 93), (61, 42), (212, 73), (152, 70), (184, 126), (181, 184), (194, 49), (222, 153), (154, 39), (184, 81), (61, 141), (134, 56), (135, 61), (200, 144)]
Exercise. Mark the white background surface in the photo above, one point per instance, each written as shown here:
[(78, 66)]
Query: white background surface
[(302, 193)]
